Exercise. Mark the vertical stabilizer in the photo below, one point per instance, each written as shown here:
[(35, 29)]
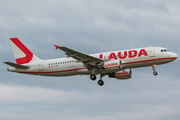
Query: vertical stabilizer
[(21, 53)]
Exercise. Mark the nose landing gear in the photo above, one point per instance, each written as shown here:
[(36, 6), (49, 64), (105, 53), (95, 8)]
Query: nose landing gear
[(154, 68), (155, 73)]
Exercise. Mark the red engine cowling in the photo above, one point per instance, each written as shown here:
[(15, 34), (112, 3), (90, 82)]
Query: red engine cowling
[(112, 65), (123, 74)]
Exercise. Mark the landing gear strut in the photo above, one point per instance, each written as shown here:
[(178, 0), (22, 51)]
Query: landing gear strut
[(154, 68), (101, 82)]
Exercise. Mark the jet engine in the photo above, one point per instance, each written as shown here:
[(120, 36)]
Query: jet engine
[(113, 65), (123, 74)]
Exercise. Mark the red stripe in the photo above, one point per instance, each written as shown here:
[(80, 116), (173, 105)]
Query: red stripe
[(149, 60), (56, 71), (86, 68)]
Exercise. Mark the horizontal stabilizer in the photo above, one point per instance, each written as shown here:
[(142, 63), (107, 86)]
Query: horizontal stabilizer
[(17, 66)]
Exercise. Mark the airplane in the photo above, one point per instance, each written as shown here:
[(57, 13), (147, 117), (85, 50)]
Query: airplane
[(115, 64)]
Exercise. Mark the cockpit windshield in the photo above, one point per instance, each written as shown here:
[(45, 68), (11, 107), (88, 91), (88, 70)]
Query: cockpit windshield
[(164, 50)]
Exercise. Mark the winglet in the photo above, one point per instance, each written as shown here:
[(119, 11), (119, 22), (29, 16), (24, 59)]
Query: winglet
[(56, 46)]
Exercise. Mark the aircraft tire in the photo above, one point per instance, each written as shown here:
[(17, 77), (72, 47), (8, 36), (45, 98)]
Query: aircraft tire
[(93, 77), (155, 73), (100, 82)]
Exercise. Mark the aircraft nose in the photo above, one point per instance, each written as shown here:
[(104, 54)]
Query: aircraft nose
[(174, 55)]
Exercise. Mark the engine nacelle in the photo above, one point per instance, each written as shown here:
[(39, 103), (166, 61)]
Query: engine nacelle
[(123, 74), (113, 65)]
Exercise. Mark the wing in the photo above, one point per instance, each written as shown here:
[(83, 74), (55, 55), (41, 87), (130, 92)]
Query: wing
[(81, 57)]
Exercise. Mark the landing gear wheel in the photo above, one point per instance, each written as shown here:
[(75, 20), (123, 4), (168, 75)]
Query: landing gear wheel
[(93, 77), (100, 82), (155, 73)]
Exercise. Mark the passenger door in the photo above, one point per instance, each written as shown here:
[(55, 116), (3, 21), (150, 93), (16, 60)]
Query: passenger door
[(151, 52)]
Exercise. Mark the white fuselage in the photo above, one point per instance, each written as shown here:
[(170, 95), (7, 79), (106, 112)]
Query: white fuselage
[(133, 58)]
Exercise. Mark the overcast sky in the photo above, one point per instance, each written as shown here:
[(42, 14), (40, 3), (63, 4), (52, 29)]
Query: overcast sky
[(90, 26)]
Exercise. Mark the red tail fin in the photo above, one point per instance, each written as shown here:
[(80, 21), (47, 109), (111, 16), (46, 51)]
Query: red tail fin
[(21, 53)]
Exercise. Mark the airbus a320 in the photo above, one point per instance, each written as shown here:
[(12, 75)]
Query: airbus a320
[(115, 64)]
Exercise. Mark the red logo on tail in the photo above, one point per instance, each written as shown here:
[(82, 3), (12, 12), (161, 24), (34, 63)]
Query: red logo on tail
[(24, 49)]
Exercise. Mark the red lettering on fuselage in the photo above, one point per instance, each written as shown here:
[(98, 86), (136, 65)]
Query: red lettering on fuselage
[(101, 56), (131, 54), (112, 56), (142, 52), (124, 56)]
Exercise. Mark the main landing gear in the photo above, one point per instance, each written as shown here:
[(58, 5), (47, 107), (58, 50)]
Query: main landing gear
[(93, 77), (154, 68), (100, 82)]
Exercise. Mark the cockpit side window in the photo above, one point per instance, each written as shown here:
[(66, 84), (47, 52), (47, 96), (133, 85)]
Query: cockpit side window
[(164, 50)]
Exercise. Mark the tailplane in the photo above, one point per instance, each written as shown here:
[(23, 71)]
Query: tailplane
[(17, 66), (21, 53)]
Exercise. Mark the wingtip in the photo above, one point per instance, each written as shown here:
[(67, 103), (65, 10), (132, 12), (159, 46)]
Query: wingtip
[(56, 46)]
